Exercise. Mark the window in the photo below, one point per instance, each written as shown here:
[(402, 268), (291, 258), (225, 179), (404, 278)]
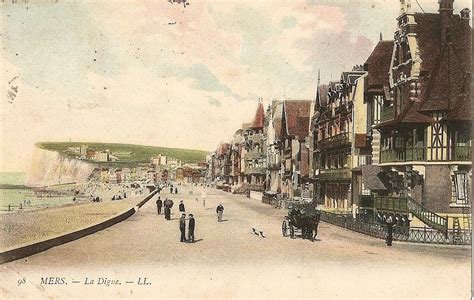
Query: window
[(460, 180), (398, 142), (463, 138), (419, 137)]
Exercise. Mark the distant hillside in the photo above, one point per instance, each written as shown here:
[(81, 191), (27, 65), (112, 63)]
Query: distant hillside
[(128, 154)]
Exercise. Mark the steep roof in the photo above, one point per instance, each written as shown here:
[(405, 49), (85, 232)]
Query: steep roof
[(350, 77), (223, 149), (259, 119), (444, 70), (447, 64), (462, 110), (277, 120), (409, 116), (370, 177), (297, 116), (378, 65), (322, 95)]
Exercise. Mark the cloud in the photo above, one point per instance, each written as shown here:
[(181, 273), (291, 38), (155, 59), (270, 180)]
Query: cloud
[(215, 102), (204, 79), (159, 74)]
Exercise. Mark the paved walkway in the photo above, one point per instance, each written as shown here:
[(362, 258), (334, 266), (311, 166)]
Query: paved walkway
[(228, 261)]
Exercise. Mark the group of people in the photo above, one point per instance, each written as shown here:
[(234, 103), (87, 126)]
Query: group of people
[(191, 226), (167, 204), (119, 197)]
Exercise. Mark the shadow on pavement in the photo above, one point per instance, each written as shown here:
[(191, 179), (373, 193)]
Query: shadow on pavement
[(196, 241)]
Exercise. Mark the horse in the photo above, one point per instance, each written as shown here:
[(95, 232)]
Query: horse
[(309, 227)]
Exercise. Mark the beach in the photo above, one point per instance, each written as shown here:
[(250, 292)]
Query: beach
[(27, 226)]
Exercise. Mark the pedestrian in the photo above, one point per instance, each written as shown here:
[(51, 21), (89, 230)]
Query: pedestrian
[(167, 204), (192, 224), (171, 190), (175, 190), (181, 207), (159, 204), (182, 227), (204, 203), (219, 211), (390, 223)]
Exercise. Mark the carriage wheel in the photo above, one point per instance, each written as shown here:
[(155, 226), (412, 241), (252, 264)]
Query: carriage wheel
[(284, 228), (292, 231)]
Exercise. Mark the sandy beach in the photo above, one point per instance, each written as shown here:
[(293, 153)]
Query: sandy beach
[(25, 226)]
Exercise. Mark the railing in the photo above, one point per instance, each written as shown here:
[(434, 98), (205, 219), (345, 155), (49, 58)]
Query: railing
[(334, 141), (274, 165), (461, 153), (428, 217), (253, 154), (364, 160), (255, 138), (391, 204), (400, 233), (342, 173), (404, 205), (402, 155), (255, 170), (415, 153), (386, 114)]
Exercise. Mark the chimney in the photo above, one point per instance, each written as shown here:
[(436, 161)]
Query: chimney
[(405, 6), (446, 13)]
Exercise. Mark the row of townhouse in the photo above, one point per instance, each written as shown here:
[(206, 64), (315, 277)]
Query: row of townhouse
[(391, 136), (270, 153)]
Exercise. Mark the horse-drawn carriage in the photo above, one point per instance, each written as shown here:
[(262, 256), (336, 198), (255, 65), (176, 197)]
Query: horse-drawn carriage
[(301, 218)]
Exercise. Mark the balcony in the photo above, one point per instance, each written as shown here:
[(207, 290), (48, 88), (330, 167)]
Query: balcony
[(334, 174), (255, 170), (405, 205), (403, 155), (387, 114), (364, 160), (274, 165), (254, 154), (391, 204), (461, 153), (255, 138), (335, 141)]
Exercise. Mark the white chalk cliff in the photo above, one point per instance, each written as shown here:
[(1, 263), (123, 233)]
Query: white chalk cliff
[(51, 167)]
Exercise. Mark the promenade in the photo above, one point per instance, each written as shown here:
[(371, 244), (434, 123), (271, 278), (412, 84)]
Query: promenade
[(228, 261)]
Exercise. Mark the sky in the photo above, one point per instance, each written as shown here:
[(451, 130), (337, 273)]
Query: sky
[(156, 73)]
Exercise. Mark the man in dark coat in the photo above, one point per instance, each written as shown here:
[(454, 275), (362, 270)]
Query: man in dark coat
[(219, 211), (182, 227), (192, 224), (181, 207), (168, 205), (159, 204), (390, 223)]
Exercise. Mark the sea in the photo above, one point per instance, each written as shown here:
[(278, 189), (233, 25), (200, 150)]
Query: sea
[(14, 195)]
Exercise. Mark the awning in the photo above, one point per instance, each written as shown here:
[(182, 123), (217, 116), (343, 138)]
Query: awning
[(370, 178)]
